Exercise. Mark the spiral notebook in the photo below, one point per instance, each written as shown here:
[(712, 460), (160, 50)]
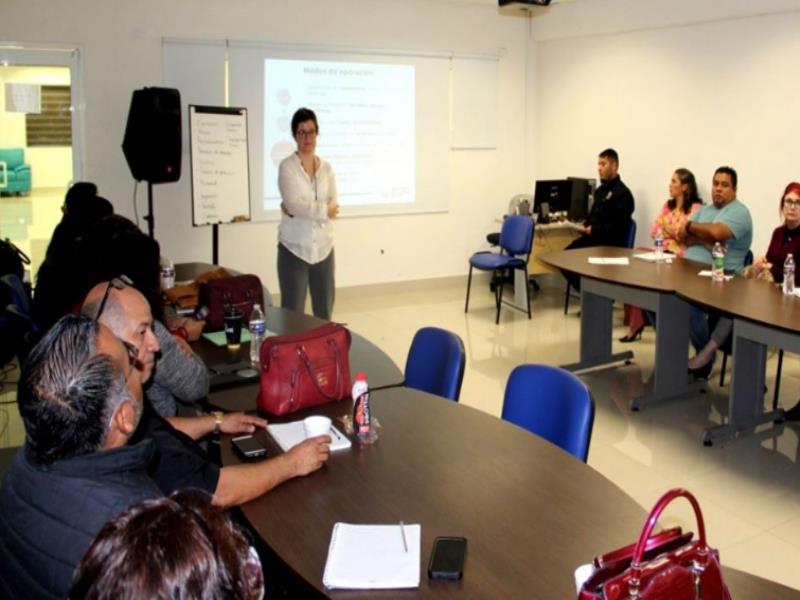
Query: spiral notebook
[(372, 557), (288, 435)]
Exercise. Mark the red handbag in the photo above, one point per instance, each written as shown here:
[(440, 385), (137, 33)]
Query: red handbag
[(665, 566), (304, 369), (240, 291)]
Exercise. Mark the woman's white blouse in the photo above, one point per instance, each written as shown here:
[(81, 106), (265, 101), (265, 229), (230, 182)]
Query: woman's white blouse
[(308, 233)]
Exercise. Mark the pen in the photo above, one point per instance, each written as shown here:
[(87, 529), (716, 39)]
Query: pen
[(403, 533)]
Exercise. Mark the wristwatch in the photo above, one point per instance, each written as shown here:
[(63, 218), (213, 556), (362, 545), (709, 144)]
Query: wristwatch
[(218, 416)]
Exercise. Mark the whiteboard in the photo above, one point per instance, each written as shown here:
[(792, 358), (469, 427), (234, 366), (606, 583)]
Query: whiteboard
[(220, 165)]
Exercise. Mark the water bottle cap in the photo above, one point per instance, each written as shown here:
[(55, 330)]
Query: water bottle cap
[(361, 377)]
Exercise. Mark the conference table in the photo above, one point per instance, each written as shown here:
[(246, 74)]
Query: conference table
[(762, 316), (531, 512)]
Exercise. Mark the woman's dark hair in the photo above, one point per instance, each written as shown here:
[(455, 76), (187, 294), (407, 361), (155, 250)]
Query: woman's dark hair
[(792, 187), (692, 197), (301, 116), (175, 548)]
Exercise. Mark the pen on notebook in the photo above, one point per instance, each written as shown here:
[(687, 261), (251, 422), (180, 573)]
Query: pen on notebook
[(403, 533)]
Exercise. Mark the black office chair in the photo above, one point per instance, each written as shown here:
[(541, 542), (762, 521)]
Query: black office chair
[(629, 242)]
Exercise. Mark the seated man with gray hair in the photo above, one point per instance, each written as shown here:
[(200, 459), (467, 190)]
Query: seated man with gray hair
[(80, 399)]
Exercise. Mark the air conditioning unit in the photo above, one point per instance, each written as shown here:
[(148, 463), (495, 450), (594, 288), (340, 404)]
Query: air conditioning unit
[(524, 3)]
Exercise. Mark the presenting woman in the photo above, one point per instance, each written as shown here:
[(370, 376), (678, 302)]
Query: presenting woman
[(785, 240), (305, 237), (683, 202)]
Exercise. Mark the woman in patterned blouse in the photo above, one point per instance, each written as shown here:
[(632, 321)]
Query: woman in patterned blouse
[(684, 200)]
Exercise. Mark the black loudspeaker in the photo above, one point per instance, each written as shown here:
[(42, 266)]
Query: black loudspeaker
[(152, 142)]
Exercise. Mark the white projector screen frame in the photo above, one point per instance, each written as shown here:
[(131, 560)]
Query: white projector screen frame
[(431, 125)]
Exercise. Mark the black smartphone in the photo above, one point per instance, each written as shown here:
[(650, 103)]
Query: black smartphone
[(447, 558), (248, 447)]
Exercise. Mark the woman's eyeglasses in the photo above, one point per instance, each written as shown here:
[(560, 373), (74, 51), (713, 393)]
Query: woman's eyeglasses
[(306, 133), (119, 283), (791, 203)]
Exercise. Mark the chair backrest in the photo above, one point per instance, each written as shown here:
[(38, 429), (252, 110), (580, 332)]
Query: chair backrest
[(16, 324), (552, 403), (630, 241), (13, 156), (435, 363), (516, 236)]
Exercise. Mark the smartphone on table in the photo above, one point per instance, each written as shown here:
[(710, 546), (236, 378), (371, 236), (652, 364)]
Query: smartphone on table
[(447, 558), (248, 447)]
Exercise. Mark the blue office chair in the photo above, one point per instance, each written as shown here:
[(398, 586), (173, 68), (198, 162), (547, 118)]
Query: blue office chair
[(435, 363), (516, 240), (630, 241), (552, 403)]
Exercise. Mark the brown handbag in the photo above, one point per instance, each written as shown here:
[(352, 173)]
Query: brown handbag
[(306, 369), (666, 566), (240, 291)]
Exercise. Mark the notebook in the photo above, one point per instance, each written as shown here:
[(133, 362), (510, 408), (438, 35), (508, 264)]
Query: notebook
[(371, 557), (288, 435)]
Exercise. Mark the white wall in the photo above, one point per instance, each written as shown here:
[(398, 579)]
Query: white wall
[(671, 85), (122, 51), (51, 166)]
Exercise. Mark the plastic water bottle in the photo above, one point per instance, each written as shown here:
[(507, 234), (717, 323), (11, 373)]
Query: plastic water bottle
[(362, 419), (167, 274), (788, 274), (718, 263), (258, 329), (659, 246)]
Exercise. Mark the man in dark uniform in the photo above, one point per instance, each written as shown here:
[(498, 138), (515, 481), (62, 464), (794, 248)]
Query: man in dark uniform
[(609, 220)]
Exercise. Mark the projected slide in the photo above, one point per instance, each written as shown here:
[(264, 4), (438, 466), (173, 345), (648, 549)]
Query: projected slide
[(367, 126)]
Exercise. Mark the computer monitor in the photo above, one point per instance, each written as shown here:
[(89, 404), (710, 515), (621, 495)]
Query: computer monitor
[(580, 195), (552, 195)]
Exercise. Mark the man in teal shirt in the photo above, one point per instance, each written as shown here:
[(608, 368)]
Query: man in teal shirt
[(728, 222)]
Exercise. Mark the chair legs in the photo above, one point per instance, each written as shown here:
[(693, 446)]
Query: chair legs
[(777, 381), (469, 285), (566, 298), (722, 370), (498, 280)]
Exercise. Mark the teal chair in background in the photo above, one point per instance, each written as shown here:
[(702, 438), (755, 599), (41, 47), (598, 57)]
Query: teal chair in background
[(15, 175)]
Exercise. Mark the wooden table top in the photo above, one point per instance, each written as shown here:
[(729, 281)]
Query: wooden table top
[(756, 301), (531, 512)]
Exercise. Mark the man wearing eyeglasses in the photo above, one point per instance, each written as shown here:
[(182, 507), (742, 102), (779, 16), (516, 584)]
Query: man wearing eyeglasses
[(80, 399), (179, 462)]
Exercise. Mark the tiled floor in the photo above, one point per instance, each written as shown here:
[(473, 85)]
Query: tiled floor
[(748, 488)]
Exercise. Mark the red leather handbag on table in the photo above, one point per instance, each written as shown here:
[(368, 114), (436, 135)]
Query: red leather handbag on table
[(240, 291), (666, 566), (306, 369)]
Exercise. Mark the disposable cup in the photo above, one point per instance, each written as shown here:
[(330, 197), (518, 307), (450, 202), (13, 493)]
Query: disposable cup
[(316, 425)]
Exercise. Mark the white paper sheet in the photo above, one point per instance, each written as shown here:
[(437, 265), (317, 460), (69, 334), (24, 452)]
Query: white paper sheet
[(370, 557), (288, 435)]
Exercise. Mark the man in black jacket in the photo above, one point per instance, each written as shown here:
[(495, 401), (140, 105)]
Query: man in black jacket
[(609, 220), (80, 399)]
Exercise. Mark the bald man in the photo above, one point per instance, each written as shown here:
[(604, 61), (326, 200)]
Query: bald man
[(179, 462)]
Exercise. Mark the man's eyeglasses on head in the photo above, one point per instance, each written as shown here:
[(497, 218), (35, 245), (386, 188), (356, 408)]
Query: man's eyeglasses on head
[(119, 283)]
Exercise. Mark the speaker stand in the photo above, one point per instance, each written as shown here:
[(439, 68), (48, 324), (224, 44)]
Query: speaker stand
[(215, 244), (149, 216)]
